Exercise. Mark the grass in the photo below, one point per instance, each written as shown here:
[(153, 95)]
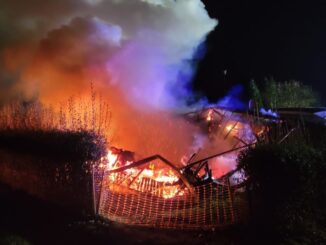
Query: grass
[(83, 114)]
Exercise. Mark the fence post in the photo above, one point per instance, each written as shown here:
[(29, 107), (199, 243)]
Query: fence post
[(231, 200), (249, 197)]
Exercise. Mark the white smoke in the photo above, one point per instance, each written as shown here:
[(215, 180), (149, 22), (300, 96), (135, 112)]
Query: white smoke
[(144, 46), (138, 53)]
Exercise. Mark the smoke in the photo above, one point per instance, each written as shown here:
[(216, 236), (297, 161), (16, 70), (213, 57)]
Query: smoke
[(232, 99), (138, 54), (144, 47)]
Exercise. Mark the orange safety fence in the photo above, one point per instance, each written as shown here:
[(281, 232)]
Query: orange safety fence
[(136, 196)]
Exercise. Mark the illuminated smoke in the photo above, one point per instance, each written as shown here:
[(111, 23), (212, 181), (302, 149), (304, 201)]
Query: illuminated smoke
[(144, 47), (138, 54), (232, 99)]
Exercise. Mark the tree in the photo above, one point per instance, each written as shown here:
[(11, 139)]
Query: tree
[(288, 94), (255, 94), (271, 93)]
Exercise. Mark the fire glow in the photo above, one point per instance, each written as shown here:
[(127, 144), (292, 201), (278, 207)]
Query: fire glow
[(123, 173), (158, 181)]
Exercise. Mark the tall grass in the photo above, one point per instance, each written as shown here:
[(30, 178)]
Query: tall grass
[(89, 113)]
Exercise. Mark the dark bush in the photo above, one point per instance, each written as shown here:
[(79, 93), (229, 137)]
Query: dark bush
[(316, 135), (70, 145), (54, 165), (288, 184)]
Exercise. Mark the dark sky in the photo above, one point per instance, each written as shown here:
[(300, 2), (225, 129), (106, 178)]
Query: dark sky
[(256, 39)]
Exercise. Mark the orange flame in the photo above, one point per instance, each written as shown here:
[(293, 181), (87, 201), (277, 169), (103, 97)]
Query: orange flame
[(159, 181), (209, 116)]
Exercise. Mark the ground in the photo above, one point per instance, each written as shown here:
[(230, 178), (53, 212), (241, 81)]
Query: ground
[(27, 220)]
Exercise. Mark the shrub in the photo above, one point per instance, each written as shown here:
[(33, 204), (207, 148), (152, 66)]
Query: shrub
[(69, 145), (288, 184), (13, 239), (283, 94)]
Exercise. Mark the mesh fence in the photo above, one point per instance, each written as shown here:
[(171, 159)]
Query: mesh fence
[(130, 197)]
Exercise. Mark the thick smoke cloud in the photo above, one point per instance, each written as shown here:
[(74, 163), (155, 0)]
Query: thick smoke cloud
[(145, 47), (138, 54)]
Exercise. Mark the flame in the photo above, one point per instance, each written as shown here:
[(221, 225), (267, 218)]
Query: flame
[(111, 159), (229, 128), (168, 178), (233, 128), (159, 181), (209, 116)]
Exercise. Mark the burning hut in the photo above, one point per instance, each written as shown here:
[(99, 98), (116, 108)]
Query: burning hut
[(199, 193), (153, 192), (157, 193)]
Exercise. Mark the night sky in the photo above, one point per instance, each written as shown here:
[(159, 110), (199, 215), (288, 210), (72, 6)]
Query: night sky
[(257, 39)]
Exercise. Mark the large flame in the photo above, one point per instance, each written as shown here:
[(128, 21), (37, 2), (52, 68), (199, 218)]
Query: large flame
[(159, 181)]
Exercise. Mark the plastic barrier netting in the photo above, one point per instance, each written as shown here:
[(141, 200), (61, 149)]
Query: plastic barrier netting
[(136, 196)]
